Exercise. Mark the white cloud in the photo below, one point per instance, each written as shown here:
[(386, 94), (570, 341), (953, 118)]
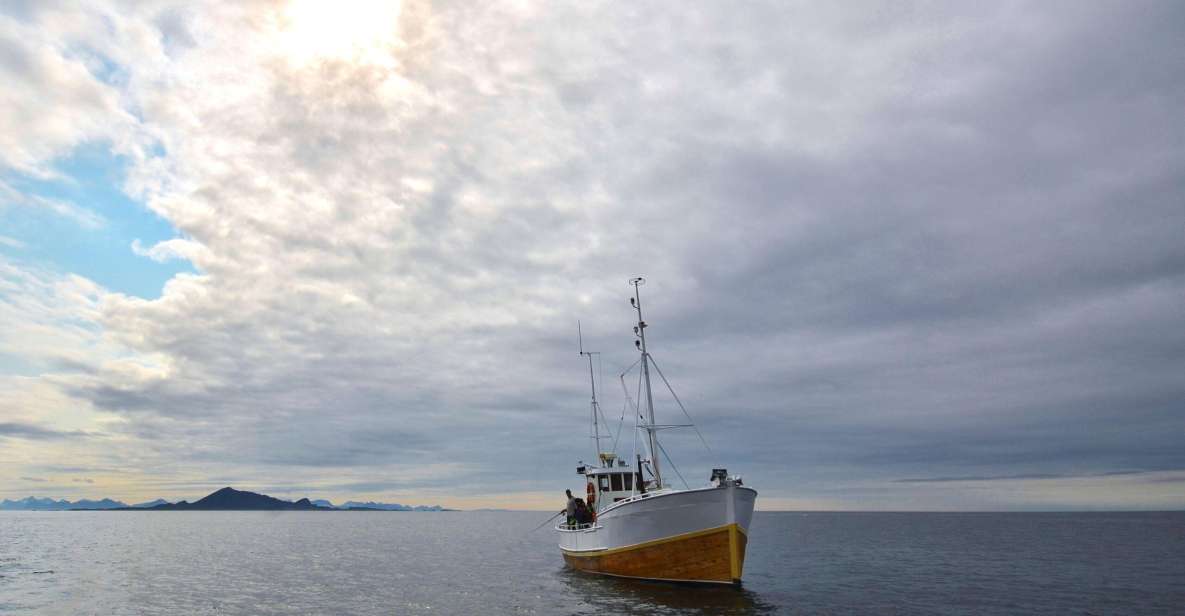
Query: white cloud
[(167, 250), (396, 234), (51, 100), (83, 217), (46, 313)]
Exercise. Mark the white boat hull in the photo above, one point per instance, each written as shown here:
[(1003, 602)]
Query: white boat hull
[(688, 535)]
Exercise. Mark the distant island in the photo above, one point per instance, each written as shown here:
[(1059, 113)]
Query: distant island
[(230, 499), (372, 506), (32, 503), (226, 499)]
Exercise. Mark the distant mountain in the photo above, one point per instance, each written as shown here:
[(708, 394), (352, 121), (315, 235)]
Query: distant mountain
[(224, 499), (159, 501), (230, 499), (373, 506), (105, 503), (389, 506), (32, 503)]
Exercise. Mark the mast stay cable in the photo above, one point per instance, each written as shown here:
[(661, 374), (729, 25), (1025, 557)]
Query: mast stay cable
[(680, 402), (672, 463)]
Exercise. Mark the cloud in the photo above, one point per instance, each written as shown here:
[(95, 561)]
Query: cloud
[(878, 243), (53, 100), (83, 217), (50, 316), (169, 250), (1012, 477), (34, 432)]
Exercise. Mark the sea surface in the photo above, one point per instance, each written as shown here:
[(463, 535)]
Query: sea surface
[(179, 562)]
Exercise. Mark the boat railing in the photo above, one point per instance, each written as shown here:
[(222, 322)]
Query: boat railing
[(638, 497), (572, 528)]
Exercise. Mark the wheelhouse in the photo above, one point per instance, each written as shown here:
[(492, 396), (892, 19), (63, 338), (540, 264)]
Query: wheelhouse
[(610, 483)]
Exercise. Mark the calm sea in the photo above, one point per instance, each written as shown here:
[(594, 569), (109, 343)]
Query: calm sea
[(488, 563)]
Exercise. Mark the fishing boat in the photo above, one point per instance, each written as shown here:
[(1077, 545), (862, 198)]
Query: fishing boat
[(641, 525)]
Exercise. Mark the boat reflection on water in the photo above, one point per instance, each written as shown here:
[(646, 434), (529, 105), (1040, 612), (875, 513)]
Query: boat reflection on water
[(611, 595)]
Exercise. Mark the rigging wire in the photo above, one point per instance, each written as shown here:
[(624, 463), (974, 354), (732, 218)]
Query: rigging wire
[(600, 385), (620, 422), (680, 402), (626, 403), (673, 467), (636, 410), (629, 400), (600, 377), (634, 455)]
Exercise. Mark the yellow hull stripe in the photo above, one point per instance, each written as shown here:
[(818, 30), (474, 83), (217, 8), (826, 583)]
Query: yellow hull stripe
[(734, 560), (732, 529)]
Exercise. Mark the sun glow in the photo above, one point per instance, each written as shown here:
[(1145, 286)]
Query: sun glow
[(358, 30)]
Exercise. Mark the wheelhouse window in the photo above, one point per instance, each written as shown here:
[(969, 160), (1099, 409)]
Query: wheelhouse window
[(616, 482), (604, 479), (629, 481)]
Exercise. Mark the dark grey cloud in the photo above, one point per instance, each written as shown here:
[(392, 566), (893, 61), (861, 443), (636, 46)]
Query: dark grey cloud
[(37, 433), (1021, 476)]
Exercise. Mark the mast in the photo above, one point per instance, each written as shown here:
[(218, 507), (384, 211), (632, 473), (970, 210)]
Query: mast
[(593, 385), (640, 331)]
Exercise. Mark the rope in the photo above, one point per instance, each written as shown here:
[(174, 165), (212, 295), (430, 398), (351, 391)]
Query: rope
[(673, 467), (681, 407)]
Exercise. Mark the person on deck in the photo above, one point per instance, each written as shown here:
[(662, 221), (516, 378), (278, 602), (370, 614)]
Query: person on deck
[(583, 515), (571, 508)]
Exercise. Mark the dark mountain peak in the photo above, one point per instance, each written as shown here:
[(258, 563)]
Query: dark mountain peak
[(229, 498)]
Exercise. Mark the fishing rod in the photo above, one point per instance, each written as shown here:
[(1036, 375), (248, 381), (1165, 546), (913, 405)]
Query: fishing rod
[(547, 520)]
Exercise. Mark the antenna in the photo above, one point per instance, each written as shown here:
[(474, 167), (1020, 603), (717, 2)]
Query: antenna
[(596, 409)]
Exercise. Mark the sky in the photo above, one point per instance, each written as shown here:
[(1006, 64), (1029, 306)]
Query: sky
[(898, 256)]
